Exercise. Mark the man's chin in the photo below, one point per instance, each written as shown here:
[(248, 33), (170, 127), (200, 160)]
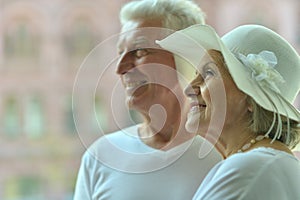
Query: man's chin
[(129, 102), (133, 103)]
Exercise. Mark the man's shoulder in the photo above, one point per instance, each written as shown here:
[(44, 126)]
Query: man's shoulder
[(121, 134), (118, 139)]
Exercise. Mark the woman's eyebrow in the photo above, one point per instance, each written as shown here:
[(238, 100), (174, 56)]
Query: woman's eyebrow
[(206, 65)]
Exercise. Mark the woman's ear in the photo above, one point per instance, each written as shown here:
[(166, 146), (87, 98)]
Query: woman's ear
[(250, 108), (249, 103)]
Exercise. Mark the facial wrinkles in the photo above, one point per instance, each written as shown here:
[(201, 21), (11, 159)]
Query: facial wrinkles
[(142, 74), (130, 76), (125, 44), (141, 42), (234, 99), (202, 79), (129, 43), (209, 81)]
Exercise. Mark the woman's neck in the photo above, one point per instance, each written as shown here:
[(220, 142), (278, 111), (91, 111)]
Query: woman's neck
[(243, 141), (232, 139)]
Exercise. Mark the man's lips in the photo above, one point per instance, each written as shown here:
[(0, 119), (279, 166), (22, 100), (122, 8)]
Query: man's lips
[(132, 86)]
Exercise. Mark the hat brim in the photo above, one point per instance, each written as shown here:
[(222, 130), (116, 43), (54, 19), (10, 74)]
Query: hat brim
[(189, 42)]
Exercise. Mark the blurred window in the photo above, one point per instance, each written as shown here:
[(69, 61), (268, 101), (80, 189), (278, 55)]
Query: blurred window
[(79, 40), (34, 118), (12, 119), (20, 41), (25, 187)]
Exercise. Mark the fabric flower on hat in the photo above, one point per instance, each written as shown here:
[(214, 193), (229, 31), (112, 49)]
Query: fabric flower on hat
[(263, 69)]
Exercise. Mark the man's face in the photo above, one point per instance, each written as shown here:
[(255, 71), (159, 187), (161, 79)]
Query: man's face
[(147, 72)]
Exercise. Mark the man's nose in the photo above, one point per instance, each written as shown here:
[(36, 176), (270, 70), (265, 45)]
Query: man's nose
[(125, 64)]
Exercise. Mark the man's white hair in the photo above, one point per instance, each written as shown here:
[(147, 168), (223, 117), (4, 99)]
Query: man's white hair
[(174, 15)]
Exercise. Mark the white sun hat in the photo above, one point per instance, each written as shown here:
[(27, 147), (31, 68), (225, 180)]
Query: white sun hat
[(262, 64)]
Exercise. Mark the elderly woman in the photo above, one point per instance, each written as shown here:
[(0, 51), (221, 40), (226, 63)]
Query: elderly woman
[(242, 99)]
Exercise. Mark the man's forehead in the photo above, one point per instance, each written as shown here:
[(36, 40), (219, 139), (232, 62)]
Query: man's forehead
[(136, 38), (140, 39)]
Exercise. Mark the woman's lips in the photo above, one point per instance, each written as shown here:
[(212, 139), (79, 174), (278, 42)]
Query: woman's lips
[(196, 107)]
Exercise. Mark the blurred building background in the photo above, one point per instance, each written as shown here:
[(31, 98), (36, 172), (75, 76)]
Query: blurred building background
[(42, 45)]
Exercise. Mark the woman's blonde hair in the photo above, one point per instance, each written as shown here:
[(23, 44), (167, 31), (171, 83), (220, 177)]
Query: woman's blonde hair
[(263, 121)]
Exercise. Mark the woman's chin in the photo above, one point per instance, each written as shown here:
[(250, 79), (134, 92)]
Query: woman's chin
[(192, 122)]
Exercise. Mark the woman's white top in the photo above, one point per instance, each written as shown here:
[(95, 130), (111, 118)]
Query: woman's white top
[(260, 174)]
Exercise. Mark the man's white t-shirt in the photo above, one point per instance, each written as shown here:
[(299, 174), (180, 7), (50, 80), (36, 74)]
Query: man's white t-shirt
[(260, 174), (119, 166)]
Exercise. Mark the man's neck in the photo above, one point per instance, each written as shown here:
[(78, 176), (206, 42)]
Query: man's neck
[(170, 135)]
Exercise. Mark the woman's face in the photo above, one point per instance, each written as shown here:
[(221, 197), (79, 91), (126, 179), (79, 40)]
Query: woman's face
[(215, 101)]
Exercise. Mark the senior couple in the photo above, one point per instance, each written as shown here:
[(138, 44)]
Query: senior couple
[(228, 135)]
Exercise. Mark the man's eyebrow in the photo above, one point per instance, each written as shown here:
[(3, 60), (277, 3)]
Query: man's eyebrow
[(141, 41)]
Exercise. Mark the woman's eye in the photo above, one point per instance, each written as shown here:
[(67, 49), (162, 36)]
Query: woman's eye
[(209, 73), (141, 52), (208, 70)]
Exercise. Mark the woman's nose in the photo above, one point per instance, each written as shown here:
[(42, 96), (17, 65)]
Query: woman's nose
[(191, 90)]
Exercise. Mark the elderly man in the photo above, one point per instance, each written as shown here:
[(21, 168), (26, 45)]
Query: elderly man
[(157, 159)]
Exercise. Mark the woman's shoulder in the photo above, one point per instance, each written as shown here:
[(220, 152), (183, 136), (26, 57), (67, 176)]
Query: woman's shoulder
[(258, 159), (247, 174)]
